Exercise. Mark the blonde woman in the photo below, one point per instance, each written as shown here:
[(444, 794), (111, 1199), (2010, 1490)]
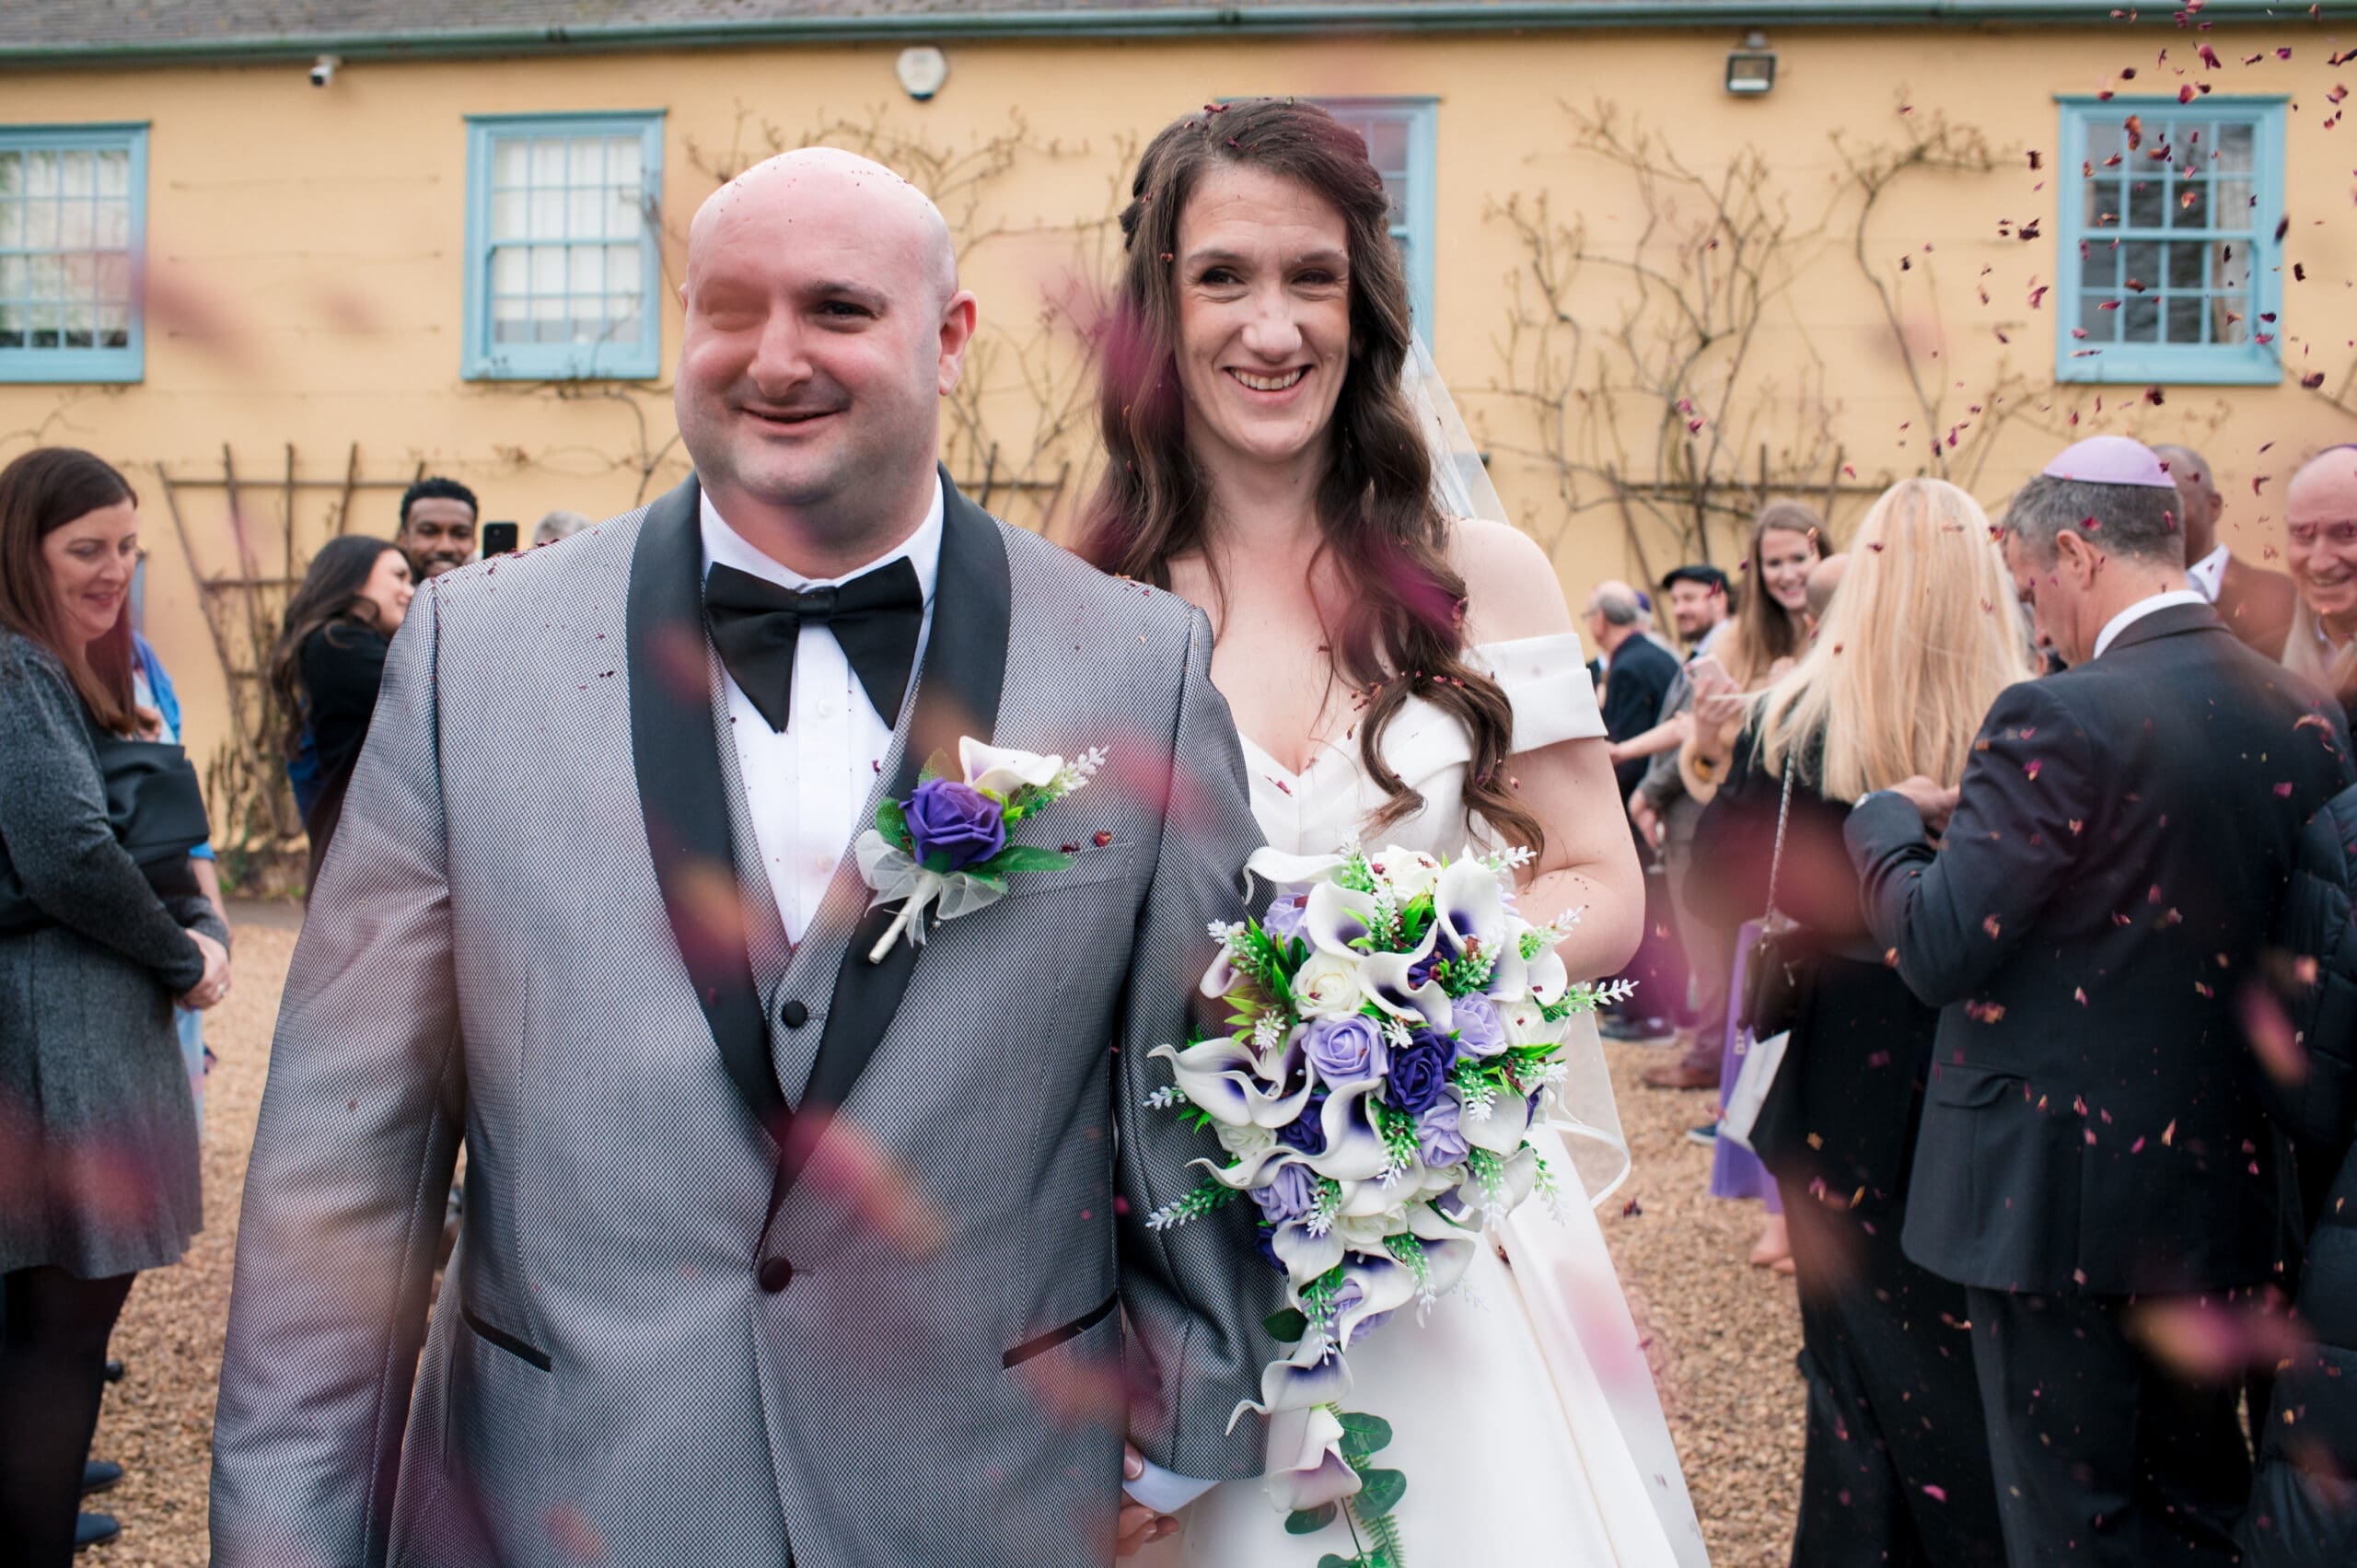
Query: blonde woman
[(1920, 637)]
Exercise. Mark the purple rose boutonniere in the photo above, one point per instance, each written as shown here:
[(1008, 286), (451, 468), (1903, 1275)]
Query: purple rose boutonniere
[(945, 848)]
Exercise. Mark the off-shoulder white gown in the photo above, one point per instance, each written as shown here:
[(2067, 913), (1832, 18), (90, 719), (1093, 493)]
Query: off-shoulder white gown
[(1524, 1415)]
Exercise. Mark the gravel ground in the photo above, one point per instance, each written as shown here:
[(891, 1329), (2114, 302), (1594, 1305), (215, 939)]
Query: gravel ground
[(1722, 1334)]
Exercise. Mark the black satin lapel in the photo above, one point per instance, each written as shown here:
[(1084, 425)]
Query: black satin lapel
[(958, 694), (675, 752)]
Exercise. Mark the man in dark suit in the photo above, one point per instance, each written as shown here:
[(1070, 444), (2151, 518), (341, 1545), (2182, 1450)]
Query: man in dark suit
[(2093, 1153), (2254, 604), (1638, 674)]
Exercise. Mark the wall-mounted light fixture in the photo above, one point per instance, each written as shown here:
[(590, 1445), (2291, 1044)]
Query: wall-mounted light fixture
[(1751, 70), (922, 70)]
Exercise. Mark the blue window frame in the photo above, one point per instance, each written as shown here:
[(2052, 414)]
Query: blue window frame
[(564, 273), (2171, 271), (1399, 143), (73, 245)]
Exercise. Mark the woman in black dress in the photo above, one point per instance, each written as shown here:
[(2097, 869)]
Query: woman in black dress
[(99, 1176), (1919, 640), (330, 660)]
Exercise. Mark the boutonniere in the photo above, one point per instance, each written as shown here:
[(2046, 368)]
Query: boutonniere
[(945, 847)]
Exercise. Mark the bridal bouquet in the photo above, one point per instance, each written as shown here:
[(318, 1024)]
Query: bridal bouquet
[(1397, 1029)]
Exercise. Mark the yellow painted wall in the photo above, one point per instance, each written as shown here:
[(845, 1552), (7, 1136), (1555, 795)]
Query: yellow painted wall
[(308, 244)]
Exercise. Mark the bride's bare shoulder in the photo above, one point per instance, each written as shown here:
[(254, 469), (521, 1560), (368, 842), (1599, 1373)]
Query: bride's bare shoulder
[(1511, 590)]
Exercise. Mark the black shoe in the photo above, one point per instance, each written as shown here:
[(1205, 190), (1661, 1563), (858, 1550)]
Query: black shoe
[(1620, 1028), (95, 1529), (114, 1369), (98, 1475)]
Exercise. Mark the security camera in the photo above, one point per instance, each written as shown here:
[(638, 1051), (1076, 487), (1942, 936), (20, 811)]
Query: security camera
[(323, 69)]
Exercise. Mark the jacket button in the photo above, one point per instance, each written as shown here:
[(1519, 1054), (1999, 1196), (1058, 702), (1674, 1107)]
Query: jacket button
[(794, 1015), (775, 1274)]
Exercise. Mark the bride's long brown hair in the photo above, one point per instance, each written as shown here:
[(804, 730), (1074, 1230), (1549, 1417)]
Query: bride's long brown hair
[(1404, 631)]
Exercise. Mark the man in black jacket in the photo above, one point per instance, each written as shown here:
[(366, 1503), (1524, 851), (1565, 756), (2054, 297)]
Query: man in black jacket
[(2092, 1142), (1638, 674)]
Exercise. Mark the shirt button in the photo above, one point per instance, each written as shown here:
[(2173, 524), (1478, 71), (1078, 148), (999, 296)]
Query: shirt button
[(775, 1274), (826, 710), (794, 1015)]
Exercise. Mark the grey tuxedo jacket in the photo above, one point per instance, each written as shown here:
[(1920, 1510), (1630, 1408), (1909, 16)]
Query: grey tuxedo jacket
[(769, 1255)]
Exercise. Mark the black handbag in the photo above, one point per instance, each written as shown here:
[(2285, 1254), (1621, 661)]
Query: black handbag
[(1772, 977), (157, 809)]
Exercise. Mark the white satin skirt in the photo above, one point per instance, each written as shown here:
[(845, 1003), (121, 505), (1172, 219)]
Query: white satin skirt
[(1522, 1415)]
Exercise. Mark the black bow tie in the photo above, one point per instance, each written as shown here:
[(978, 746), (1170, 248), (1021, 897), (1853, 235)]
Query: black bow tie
[(875, 616)]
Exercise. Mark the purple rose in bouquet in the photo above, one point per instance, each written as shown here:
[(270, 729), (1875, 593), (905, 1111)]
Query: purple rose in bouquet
[(1344, 1050), (1478, 1030), (956, 822), (1439, 1139), (1283, 920), (1420, 1072), (1307, 1131), (1289, 1194)]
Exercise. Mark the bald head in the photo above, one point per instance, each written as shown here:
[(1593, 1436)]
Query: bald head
[(825, 182), (2198, 501)]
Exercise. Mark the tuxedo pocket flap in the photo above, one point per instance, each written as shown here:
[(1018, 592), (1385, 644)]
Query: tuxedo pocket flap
[(502, 1339), (1040, 1344), (1091, 863), (1971, 1089)]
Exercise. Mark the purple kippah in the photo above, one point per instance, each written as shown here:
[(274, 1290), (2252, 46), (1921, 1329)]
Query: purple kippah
[(2110, 459)]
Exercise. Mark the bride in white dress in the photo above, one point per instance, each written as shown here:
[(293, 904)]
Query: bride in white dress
[(1402, 674)]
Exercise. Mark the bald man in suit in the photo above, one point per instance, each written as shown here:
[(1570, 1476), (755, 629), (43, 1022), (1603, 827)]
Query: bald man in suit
[(2255, 603)]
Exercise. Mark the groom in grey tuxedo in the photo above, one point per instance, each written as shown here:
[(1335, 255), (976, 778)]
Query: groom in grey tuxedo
[(772, 1253)]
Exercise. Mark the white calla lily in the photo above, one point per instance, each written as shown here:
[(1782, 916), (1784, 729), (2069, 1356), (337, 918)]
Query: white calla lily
[(1468, 908), (1385, 978), (1222, 1077), (1306, 1257), (1354, 1150), (1446, 1261), (1337, 916), (1001, 769), (1384, 1284), (1548, 979), (1278, 868), (1306, 1465), (1500, 1132)]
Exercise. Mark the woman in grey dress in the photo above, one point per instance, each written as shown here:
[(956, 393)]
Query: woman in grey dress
[(99, 1175)]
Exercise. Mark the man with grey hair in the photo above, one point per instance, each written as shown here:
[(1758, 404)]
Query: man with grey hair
[(2093, 1153), (2254, 604), (1638, 674), (786, 1241)]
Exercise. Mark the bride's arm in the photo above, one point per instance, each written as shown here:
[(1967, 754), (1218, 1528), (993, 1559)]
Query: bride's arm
[(1589, 861)]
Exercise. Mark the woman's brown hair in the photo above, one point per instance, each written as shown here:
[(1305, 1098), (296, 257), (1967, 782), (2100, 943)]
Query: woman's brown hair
[(328, 600), (1765, 630), (42, 492), (1404, 632)]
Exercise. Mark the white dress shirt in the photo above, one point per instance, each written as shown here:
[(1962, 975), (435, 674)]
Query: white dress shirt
[(2209, 574), (2137, 611), (803, 784)]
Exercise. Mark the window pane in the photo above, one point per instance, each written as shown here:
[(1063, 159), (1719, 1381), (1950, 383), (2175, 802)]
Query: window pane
[(622, 162), (2184, 314), (114, 173), (2105, 138), (12, 174), (2140, 262), (510, 162), (12, 325), (2231, 204), (2147, 204), (47, 277), (548, 215), (2229, 321), (114, 326), (622, 318), (590, 327), (113, 225), (2233, 146), (1395, 196), (81, 276), (76, 177), (81, 326), (2230, 267), (41, 174), (114, 277), (2139, 319), (41, 225), (12, 277), (507, 321), (511, 271), (548, 269), (621, 269), (2185, 265), (43, 324), (12, 225), (2103, 203), (587, 162), (1386, 143), (621, 212), (548, 322), (2101, 326), (74, 224), (548, 163), (586, 271), (509, 215), (586, 213), (2190, 205)]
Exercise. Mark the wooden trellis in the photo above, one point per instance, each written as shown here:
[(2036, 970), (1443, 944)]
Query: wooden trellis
[(250, 564)]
